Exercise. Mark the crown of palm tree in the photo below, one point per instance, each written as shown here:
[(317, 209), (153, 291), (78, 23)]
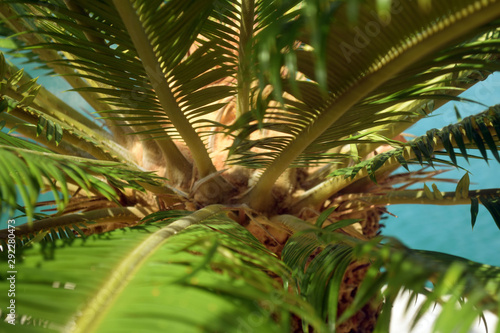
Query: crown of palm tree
[(236, 163)]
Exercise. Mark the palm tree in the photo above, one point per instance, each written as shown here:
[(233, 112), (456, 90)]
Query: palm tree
[(236, 164)]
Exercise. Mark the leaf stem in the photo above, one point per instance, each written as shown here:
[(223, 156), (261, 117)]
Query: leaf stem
[(162, 89), (419, 197), (51, 57), (332, 185), (244, 51), (128, 268), (106, 215), (260, 197)]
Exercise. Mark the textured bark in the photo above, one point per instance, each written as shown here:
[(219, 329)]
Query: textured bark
[(365, 319)]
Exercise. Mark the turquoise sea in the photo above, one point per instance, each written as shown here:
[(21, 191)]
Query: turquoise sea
[(438, 228)]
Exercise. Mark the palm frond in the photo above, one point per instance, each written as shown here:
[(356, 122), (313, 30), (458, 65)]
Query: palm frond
[(45, 100), (322, 86), (31, 172), (348, 89), (150, 58), (69, 226), (427, 196), (65, 31), (474, 132), (389, 268), (20, 108), (16, 23), (201, 266)]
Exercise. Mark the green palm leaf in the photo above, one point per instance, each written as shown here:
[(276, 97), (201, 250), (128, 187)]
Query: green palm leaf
[(30, 172), (214, 275), (376, 63), (393, 265), (235, 165), (474, 132)]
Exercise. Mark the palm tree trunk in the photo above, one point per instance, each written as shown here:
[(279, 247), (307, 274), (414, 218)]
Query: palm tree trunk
[(365, 319)]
